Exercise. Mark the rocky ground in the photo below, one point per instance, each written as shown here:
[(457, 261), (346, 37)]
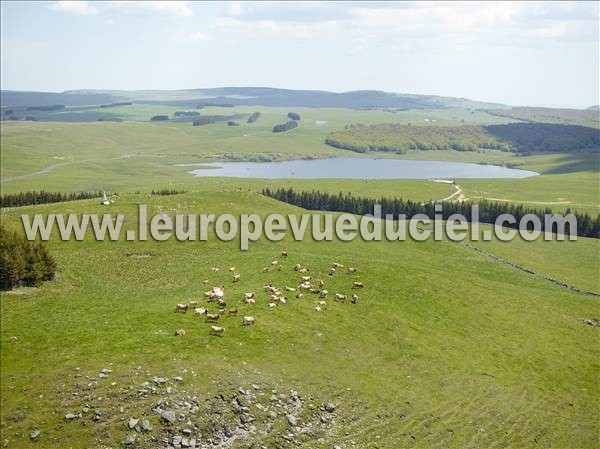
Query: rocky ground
[(168, 412)]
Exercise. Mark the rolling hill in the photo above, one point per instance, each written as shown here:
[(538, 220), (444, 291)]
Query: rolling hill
[(260, 96)]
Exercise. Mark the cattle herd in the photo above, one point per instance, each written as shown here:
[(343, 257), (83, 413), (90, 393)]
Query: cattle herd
[(275, 296)]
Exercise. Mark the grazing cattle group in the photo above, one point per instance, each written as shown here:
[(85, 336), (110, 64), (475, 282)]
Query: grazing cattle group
[(275, 295)]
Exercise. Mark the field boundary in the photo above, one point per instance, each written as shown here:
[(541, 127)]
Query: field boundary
[(529, 271)]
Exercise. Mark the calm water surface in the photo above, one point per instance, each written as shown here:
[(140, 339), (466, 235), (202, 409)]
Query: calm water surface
[(358, 168)]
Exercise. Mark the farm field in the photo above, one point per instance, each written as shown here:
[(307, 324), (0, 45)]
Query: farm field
[(308, 224), (424, 359), (446, 346), (69, 156)]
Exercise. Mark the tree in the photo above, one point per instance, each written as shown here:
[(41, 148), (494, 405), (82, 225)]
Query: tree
[(23, 262)]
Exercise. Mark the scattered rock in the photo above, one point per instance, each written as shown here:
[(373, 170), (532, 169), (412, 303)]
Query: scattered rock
[(146, 426), (159, 380), (291, 420), (70, 416), (130, 439), (168, 416), (178, 379), (34, 434), (329, 407), (132, 423)]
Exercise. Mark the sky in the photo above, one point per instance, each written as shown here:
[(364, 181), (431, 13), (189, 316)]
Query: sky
[(517, 53)]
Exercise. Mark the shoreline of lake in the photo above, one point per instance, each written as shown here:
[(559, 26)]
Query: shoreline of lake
[(357, 168)]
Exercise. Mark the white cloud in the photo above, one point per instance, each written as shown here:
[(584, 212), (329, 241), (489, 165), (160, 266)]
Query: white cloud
[(194, 36), (168, 7), (74, 7), (235, 9), (275, 27), (459, 23)]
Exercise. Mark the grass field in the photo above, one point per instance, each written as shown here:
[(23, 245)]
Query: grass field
[(446, 347), (485, 357), (91, 156)]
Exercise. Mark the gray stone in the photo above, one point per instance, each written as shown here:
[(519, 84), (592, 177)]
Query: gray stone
[(34, 434), (177, 440), (178, 379), (329, 407), (133, 422), (70, 416), (168, 416), (159, 380), (291, 420), (130, 439), (146, 427)]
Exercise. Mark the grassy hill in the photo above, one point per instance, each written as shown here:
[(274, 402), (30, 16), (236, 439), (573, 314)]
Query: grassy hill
[(583, 117), (138, 154), (261, 96), (446, 347), (486, 356)]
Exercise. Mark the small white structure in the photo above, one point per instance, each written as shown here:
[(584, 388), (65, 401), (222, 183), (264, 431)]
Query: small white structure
[(104, 201)]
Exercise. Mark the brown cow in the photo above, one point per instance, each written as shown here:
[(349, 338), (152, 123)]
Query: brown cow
[(212, 317), (182, 308), (217, 330)]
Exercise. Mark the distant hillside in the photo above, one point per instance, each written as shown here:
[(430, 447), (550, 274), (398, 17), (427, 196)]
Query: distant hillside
[(9, 98), (255, 96), (593, 108), (517, 137), (583, 117)]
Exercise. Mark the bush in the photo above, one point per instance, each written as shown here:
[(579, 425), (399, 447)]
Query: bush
[(254, 117), (165, 192), (285, 126), (293, 116), (23, 263), (159, 118), (203, 121)]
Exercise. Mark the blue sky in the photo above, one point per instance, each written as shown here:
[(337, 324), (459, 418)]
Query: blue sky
[(520, 53)]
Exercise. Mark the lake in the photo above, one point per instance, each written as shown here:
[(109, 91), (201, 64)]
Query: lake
[(357, 168)]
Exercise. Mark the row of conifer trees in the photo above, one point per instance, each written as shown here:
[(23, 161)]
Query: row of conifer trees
[(489, 211)]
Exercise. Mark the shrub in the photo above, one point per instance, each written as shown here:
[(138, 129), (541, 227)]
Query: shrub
[(23, 263)]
